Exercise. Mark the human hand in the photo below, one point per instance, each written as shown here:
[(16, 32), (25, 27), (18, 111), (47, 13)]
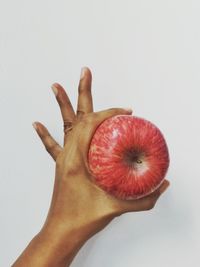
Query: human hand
[(79, 208), (76, 198)]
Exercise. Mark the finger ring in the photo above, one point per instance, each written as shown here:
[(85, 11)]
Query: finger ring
[(67, 126)]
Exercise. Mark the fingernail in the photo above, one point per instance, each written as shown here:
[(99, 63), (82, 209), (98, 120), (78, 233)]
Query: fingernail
[(34, 125), (128, 110), (55, 90), (82, 73)]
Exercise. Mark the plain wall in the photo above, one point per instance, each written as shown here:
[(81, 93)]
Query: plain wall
[(143, 54)]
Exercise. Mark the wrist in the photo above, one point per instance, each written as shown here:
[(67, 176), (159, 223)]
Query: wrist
[(62, 241), (78, 230)]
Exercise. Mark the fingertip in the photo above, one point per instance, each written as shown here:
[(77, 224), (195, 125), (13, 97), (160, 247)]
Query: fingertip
[(54, 88), (164, 186), (85, 72), (39, 127), (34, 124), (55, 84), (86, 68), (128, 110), (168, 182)]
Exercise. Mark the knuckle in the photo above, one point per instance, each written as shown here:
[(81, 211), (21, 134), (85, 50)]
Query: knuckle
[(151, 205), (65, 103), (44, 135), (81, 88), (80, 112), (51, 147), (48, 149), (45, 138), (155, 196), (84, 88)]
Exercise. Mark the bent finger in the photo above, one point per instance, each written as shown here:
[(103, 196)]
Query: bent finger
[(107, 113), (149, 201), (144, 203), (90, 123), (52, 147)]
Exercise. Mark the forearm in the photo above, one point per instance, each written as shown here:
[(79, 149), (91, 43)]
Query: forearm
[(46, 250), (57, 249)]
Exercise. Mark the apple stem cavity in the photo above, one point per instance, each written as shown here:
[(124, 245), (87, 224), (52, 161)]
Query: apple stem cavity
[(133, 156)]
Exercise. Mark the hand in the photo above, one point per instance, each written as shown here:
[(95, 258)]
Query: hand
[(79, 208), (75, 196)]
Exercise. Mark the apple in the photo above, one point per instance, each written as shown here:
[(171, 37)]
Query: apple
[(128, 157)]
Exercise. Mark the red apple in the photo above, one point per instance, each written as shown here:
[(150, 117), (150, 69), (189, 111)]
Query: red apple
[(128, 157)]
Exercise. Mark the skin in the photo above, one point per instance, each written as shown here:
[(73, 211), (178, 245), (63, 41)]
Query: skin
[(79, 209)]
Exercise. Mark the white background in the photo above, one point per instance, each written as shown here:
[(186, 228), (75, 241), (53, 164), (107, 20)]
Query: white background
[(143, 54)]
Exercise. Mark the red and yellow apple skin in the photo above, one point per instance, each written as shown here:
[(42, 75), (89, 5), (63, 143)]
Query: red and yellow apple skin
[(128, 157)]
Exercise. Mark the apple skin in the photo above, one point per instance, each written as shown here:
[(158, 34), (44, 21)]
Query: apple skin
[(128, 157)]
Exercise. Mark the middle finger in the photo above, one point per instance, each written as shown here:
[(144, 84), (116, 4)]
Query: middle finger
[(85, 104)]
